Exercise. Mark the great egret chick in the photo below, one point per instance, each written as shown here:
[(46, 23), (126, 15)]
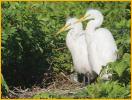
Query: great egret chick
[(100, 41), (76, 43)]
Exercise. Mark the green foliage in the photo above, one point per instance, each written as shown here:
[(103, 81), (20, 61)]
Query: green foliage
[(30, 47), (5, 88), (121, 66), (46, 95), (109, 89), (41, 95)]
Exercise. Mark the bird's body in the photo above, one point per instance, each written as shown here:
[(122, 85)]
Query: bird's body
[(76, 43), (102, 48), (100, 42), (78, 48)]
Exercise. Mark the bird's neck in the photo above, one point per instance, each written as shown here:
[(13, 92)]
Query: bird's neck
[(75, 32), (93, 24), (71, 38)]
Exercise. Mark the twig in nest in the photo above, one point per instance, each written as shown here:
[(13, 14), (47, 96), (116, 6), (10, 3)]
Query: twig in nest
[(65, 76), (13, 93), (20, 90)]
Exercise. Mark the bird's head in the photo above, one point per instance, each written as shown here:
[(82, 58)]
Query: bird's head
[(70, 24), (92, 14)]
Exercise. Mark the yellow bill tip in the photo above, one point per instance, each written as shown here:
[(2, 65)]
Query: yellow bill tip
[(62, 29), (83, 18)]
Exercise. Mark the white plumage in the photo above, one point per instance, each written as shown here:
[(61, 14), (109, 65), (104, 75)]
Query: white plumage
[(90, 49), (100, 42), (76, 43)]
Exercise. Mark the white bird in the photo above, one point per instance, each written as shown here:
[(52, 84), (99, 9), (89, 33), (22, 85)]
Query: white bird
[(76, 43), (100, 41)]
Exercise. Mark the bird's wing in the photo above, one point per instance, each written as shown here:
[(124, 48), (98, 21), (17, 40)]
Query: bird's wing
[(95, 62), (105, 45)]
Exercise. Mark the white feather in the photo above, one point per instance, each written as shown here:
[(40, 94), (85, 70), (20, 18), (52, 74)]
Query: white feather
[(101, 44), (76, 43)]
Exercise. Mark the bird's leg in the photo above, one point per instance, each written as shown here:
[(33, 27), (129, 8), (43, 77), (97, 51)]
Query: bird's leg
[(94, 77), (74, 76), (88, 78), (84, 80)]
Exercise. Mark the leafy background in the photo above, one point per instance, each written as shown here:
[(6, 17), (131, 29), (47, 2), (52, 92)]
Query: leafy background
[(31, 51)]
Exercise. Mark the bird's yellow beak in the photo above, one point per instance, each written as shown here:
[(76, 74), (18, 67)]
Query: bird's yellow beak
[(63, 29), (66, 26), (83, 18)]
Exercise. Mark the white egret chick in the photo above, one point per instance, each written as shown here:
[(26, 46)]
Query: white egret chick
[(76, 43), (100, 42)]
